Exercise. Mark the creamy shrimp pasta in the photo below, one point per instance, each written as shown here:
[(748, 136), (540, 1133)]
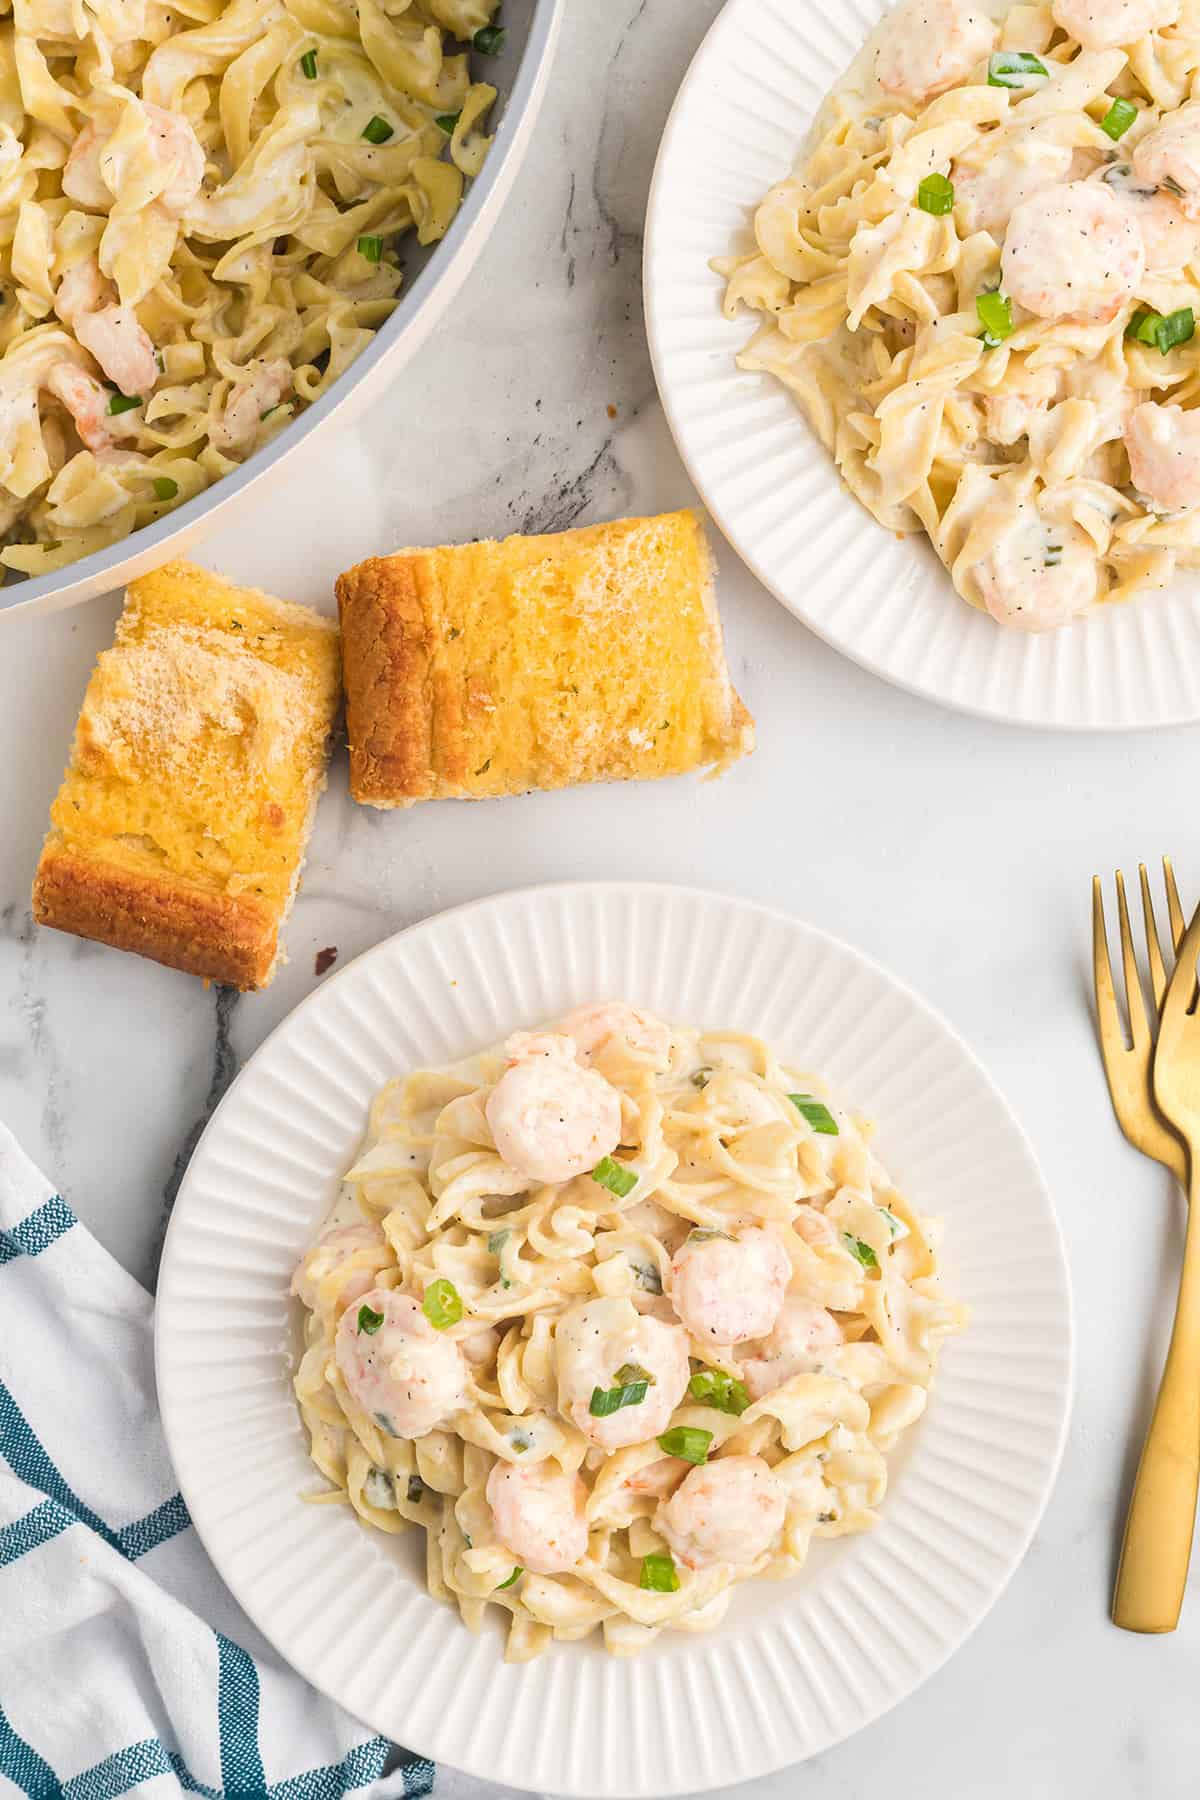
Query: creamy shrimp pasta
[(622, 1315), (981, 285), (200, 202)]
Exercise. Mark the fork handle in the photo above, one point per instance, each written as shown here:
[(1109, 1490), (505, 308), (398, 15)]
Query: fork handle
[(1162, 1512)]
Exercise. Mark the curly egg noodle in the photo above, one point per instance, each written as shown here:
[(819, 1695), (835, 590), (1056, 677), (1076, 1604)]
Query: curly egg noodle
[(611, 1390), (199, 203), (981, 286)]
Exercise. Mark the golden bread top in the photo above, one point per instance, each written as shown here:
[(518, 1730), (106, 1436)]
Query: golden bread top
[(201, 739), (490, 668)]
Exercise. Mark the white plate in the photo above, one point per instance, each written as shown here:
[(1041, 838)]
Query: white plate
[(745, 106), (797, 1665)]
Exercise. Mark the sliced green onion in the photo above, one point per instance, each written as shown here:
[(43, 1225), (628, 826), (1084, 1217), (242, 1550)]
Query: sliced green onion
[(119, 403), (369, 1321), (1162, 332), (632, 1382), (615, 1177), (164, 487), (686, 1441), (1119, 118), (442, 1304), (995, 315), (377, 130), (489, 40), (701, 1234), (386, 1423), (701, 1078), (308, 62), (895, 1226), (818, 1116), (647, 1278), (371, 248), (518, 1571), (447, 122), (1053, 556), (497, 1241), (659, 1574), (713, 1387), (863, 1253), (936, 195), (633, 1372), (1172, 186), (1012, 68)]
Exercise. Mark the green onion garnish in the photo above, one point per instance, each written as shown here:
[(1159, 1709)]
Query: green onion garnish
[(688, 1442), (164, 487), (1162, 333), (1172, 186), (447, 122), (1119, 118), (497, 1241), (442, 1304), (516, 1572), (615, 1177), (995, 315), (893, 1223), (818, 1116), (369, 1321), (377, 130), (936, 195), (701, 1234), (1012, 68), (371, 248), (863, 1253), (489, 40), (713, 1387), (119, 403), (308, 62), (659, 1574), (701, 1078), (1053, 555), (632, 1382)]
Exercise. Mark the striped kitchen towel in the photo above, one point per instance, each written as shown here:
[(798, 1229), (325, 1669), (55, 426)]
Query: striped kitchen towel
[(126, 1667)]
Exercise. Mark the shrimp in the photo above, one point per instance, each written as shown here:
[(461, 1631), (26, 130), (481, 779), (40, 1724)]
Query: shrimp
[(550, 1118), (1038, 573), (1169, 156), (593, 1026), (336, 1247), (728, 1511), (929, 45), (539, 1515), (802, 1332), (1170, 239), (1072, 252), (814, 1228), (405, 1375), (86, 302), (264, 383), (1110, 24), (595, 1343), (86, 399), (93, 171), (1024, 166), (727, 1289), (1164, 454)]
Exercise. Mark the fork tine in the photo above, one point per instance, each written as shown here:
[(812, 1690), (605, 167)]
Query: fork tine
[(1134, 1000), (1178, 922), (1158, 975), (1112, 1031)]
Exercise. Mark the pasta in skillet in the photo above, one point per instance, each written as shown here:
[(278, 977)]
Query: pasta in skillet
[(622, 1316), (199, 202), (981, 286)]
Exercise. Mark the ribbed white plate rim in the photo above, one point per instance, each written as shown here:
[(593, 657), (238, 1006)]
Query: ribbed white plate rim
[(739, 118), (881, 1612)]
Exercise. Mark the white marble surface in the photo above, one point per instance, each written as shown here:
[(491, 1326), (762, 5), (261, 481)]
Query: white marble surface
[(955, 852)]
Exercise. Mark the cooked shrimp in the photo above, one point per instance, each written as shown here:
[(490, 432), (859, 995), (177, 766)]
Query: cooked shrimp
[(263, 385), (1074, 252), (1108, 24), (727, 1289), (1169, 239), (592, 1026), (1169, 156), (1025, 165), (1039, 573), (1164, 454), (87, 303), (803, 1332), (594, 1343), (814, 1228), (335, 1248), (93, 170), (929, 45), (86, 399), (405, 1375), (539, 1516), (728, 1511), (550, 1118)]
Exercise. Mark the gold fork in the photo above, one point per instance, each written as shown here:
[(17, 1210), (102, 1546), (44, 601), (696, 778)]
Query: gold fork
[(1156, 1550)]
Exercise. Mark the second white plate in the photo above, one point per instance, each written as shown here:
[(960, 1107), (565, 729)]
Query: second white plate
[(738, 122), (797, 1665)]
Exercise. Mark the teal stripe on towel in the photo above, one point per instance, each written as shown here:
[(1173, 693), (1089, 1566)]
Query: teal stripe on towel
[(44, 1226), (24, 1767), (242, 1772)]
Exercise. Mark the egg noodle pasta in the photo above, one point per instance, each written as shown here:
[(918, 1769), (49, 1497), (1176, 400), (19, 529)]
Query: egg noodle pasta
[(981, 285), (622, 1315), (199, 208)]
